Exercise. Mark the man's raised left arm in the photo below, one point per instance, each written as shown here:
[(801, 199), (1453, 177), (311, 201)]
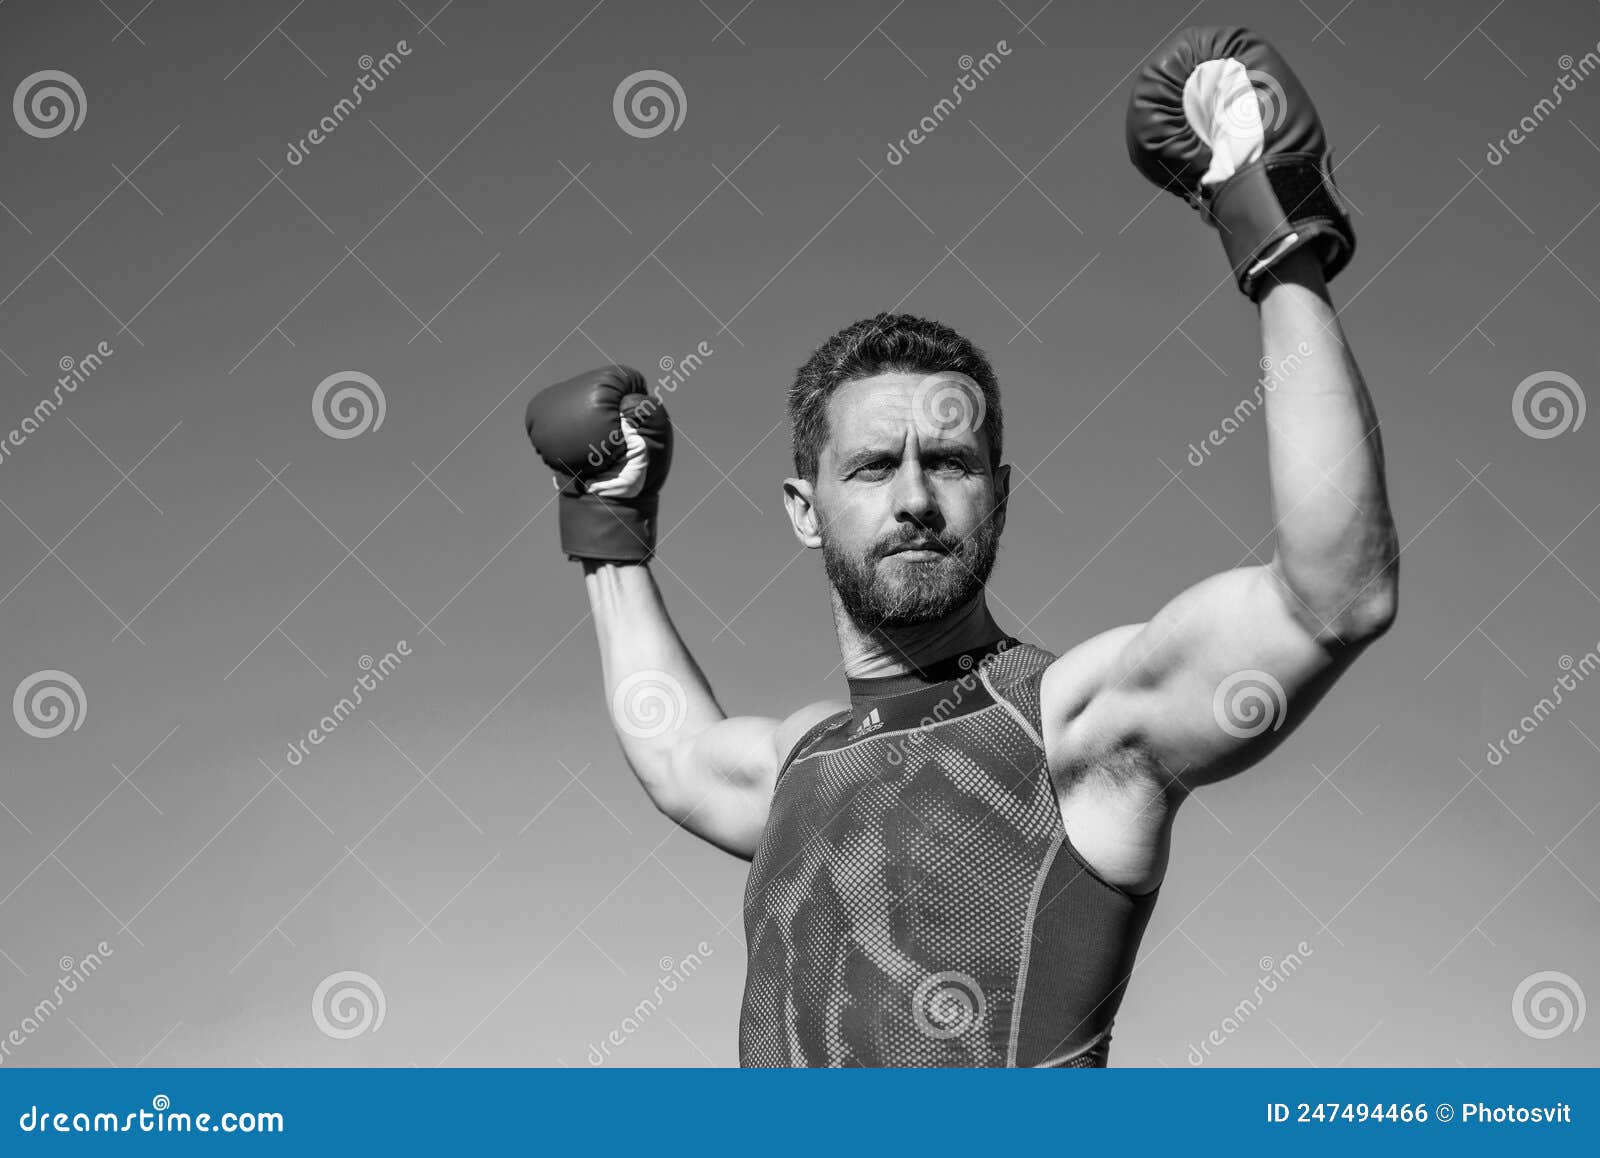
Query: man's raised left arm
[(1224, 672)]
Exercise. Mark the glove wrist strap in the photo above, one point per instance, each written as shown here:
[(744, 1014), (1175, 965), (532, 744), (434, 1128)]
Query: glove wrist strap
[(608, 530), (1274, 206)]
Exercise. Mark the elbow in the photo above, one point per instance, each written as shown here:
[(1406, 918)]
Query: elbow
[(1349, 605), (1337, 621), (1371, 613), (1374, 619)]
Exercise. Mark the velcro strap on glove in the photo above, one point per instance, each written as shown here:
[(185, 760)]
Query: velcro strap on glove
[(1273, 206), (607, 530)]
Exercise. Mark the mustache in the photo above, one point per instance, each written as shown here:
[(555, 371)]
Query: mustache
[(926, 542)]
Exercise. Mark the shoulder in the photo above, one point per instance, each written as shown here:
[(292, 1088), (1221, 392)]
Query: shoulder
[(1086, 719), (799, 725), (1083, 673)]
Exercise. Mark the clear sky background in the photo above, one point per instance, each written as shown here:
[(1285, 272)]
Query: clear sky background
[(185, 541)]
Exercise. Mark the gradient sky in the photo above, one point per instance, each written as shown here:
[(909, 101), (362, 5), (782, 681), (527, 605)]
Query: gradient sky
[(185, 541)]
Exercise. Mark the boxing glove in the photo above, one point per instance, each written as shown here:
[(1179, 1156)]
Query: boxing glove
[(610, 443), (1218, 118)]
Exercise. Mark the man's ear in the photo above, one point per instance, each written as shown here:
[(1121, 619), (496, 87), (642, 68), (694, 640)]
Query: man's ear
[(1002, 494), (799, 499)]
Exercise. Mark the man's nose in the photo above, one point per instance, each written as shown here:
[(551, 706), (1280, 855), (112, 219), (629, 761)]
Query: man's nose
[(914, 498)]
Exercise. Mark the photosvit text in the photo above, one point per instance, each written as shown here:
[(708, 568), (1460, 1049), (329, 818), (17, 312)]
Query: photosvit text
[(1479, 1113)]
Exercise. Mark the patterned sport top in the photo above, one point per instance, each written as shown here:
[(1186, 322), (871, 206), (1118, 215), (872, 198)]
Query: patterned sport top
[(915, 899)]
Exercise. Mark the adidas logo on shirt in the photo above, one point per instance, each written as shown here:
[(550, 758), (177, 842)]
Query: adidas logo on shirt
[(869, 723)]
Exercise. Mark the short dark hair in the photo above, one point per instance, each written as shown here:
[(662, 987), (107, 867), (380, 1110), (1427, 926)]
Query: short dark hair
[(885, 343)]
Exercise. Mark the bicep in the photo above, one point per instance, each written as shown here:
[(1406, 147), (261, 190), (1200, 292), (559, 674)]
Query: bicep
[(1217, 679)]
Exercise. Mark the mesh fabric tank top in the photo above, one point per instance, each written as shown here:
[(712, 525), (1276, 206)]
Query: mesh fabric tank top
[(915, 900)]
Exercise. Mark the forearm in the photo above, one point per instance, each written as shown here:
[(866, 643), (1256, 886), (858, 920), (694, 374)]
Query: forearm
[(1336, 546), (655, 693)]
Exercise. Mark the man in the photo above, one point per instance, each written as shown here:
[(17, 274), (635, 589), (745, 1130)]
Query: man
[(955, 866)]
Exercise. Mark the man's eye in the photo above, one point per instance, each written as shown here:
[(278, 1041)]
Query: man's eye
[(875, 466)]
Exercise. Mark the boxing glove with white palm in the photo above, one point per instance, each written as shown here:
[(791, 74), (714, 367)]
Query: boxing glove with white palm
[(610, 443), (1218, 118)]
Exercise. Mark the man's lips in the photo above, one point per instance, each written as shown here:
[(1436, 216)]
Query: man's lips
[(929, 548)]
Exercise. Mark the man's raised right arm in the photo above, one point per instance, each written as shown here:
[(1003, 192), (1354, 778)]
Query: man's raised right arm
[(711, 773), (610, 443)]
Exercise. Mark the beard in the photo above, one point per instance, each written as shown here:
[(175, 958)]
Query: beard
[(881, 591)]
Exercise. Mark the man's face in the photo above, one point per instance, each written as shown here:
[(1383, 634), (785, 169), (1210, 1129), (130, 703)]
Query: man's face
[(907, 509)]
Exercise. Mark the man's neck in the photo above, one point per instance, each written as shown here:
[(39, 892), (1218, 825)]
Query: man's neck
[(868, 654)]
